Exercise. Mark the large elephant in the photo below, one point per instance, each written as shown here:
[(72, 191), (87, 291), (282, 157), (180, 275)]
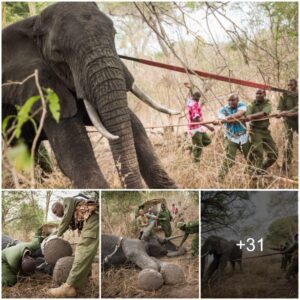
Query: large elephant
[(71, 44), (223, 251), (143, 253)]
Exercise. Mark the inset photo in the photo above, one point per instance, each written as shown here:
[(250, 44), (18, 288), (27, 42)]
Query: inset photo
[(150, 244), (249, 244), (50, 242)]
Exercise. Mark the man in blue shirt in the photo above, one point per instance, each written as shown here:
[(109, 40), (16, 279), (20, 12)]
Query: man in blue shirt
[(235, 131)]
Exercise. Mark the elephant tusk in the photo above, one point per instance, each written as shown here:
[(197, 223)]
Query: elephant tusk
[(148, 100), (97, 122)]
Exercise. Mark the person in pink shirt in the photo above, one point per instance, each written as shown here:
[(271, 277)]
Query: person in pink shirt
[(198, 133)]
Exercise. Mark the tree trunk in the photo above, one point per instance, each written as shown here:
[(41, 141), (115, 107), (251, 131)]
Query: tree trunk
[(3, 14), (32, 8)]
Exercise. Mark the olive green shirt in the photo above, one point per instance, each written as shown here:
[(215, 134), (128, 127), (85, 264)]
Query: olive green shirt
[(69, 210), (164, 216), (289, 101), (191, 227), (13, 255), (256, 107)]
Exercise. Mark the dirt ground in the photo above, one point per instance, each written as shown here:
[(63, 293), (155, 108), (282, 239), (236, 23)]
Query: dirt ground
[(260, 279), (37, 285), (122, 282)]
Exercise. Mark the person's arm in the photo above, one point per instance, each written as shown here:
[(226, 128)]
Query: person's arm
[(291, 249), (234, 117), (67, 218), (189, 86), (184, 239), (36, 241)]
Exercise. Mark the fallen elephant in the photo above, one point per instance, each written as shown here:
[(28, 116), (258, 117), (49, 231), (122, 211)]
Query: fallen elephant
[(117, 251)]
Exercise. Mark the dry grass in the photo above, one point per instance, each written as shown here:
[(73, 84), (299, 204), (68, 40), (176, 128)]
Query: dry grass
[(121, 282), (177, 161), (261, 278), (36, 286), (167, 88)]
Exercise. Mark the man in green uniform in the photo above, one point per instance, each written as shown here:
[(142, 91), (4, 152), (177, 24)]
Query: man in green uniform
[(288, 110), (164, 219), (190, 228), (260, 135), (293, 267), (82, 214), (18, 258)]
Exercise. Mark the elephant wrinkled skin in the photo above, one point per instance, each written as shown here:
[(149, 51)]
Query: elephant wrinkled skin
[(117, 251), (223, 251), (71, 44)]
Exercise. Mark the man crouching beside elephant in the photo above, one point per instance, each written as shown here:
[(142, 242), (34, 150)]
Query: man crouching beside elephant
[(223, 251), (18, 259), (82, 214)]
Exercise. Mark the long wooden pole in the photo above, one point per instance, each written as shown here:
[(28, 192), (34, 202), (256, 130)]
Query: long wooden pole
[(203, 74)]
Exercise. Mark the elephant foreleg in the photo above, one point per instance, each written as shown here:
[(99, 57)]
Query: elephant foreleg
[(150, 166), (232, 265), (222, 265), (74, 153), (211, 269)]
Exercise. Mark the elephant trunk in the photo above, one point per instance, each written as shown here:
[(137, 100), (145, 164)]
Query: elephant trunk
[(104, 87)]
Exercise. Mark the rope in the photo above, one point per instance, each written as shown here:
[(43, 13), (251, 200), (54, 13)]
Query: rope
[(263, 255), (203, 74), (211, 122)]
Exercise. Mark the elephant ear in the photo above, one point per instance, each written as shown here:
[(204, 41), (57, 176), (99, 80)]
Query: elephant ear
[(20, 58)]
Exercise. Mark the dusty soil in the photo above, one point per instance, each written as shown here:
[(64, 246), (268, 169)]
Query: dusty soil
[(260, 279), (36, 286), (122, 282)]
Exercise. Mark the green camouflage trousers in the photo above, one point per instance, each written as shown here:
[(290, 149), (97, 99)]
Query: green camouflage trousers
[(230, 154), (199, 140), (288, 145), (293, 268), (9, 278), (85, 252), (166, 227), (262, 142), (195, 245)]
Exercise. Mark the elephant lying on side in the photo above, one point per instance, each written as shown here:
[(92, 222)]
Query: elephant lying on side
[(222, 251), (116, 251), (72, 46)]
